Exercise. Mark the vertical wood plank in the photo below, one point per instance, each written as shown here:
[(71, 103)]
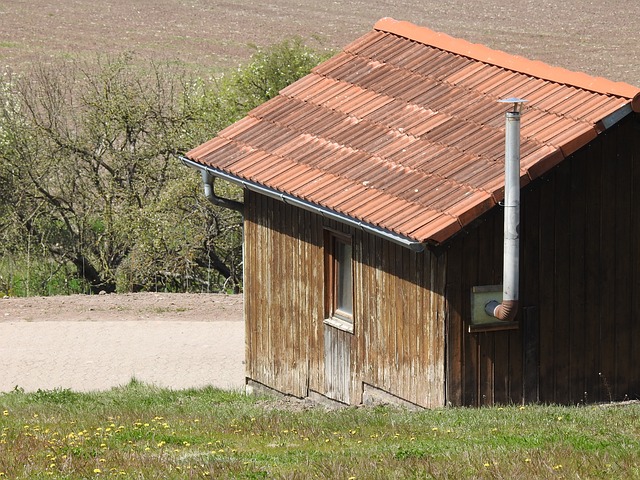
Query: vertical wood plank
[(624, 343), (530, 295), (562, 318), (491, 345), (577, 260), (593, 170), (632, 140), (608, 219), (547, 289), (437, 351), (471, 364), (454, 327)]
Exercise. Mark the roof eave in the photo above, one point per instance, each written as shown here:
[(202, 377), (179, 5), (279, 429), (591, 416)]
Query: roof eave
[(410, 243)]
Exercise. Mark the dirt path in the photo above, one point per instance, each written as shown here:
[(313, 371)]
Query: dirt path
[(96, 342)]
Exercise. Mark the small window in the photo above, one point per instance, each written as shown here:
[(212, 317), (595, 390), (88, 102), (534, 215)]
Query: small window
[(339, 281)]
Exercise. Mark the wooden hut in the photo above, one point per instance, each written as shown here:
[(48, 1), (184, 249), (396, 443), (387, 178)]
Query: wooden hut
[(373, 226)]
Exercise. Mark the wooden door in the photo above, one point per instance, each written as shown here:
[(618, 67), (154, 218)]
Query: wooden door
[(337, 363)]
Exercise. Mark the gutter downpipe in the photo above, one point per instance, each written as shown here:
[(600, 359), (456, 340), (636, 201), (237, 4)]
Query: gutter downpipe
[(209, 192), (406, 242), (508, 308)]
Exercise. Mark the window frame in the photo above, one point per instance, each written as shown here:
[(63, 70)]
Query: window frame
[(335, 315)]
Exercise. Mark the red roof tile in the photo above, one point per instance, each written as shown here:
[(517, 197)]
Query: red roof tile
[(402, 130)]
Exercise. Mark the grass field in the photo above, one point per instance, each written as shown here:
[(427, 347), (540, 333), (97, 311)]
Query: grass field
[(138, 431)]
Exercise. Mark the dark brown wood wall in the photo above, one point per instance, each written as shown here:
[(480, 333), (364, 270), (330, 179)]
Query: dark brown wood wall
[(580, 286), (398, 339)]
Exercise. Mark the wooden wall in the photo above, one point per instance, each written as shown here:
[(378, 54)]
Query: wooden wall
[(579, 311), (400, 323), (580, 286), (398, 340), (283, 292)]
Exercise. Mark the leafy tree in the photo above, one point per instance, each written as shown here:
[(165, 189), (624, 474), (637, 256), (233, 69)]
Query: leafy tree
[(88, 168)]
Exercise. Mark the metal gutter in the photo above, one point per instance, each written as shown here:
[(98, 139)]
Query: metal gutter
[(325, 212)]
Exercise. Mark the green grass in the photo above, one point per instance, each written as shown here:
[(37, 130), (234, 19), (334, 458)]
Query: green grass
[(22, 276), (138, 431)]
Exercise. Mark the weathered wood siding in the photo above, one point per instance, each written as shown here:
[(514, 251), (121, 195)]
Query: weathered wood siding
[(283, 292), (398, 339), (400, 321), (580, 284)]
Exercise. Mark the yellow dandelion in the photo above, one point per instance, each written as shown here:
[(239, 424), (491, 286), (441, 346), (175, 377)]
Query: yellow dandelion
[(97, 470), (6, 414), (557, 467), (527, 460)]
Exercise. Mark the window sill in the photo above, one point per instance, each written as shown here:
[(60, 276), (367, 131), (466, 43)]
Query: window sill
[(493, 327), (339, 323)]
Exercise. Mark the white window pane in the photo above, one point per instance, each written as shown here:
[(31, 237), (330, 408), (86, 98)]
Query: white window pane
[(344, 300)]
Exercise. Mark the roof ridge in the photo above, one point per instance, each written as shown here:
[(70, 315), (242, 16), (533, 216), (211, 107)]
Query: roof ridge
[(516, 63)]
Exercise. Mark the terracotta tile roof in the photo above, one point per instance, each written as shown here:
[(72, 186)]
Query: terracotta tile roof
[(402, 130)]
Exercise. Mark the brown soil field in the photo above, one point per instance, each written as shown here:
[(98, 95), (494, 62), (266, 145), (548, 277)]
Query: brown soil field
[(600, 38)]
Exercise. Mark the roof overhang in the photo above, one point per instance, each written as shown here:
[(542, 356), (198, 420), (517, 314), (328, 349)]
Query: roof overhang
[(324, 212)]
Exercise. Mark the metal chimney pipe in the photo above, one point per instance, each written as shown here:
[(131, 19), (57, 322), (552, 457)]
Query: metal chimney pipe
[(507, 310)]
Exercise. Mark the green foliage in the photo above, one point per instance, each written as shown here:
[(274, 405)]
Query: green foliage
[(141, 431), (35, 273), (269, 71), (89, 171)]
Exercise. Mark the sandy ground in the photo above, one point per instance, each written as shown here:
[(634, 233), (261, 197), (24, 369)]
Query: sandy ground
[(97, 342)]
